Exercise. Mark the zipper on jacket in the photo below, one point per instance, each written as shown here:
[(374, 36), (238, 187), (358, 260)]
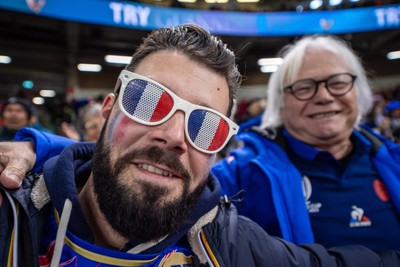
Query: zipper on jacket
[(13, 252), (212, 261)]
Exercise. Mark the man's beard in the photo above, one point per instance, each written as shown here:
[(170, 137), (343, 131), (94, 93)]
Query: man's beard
[(142, 214)]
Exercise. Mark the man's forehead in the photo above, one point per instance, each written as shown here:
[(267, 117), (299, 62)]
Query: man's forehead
[(187, 79)]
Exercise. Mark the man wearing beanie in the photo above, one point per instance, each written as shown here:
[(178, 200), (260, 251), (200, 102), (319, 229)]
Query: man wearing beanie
[(15, 114), (392, 109)]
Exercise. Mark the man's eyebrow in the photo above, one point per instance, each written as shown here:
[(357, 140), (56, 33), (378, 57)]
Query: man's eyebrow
[(200, 103)]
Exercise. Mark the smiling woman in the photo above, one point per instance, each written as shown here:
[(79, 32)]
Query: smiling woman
[(313, 166), (320, 116)]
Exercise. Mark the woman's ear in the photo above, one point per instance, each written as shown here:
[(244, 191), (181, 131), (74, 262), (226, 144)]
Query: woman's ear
[(107, 106)]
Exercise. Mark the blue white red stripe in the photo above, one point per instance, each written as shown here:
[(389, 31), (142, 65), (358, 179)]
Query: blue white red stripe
[(147, 104), (146, 101), (203, 130)]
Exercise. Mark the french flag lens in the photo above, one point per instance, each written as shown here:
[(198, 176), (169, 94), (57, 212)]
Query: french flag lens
[(146, 101), (207, 130)]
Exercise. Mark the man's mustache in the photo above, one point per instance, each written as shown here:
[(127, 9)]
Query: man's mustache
[(157, 155)]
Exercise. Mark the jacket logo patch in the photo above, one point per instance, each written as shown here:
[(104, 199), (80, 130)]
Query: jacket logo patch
[(381, 190), (45, 259), (307, 191), (358, 219), (176, 259)]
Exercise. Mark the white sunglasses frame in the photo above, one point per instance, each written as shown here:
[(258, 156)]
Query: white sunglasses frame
[(179, 104)]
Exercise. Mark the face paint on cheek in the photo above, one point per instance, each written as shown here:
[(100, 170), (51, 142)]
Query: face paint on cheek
[(112, 126), (120, 125)]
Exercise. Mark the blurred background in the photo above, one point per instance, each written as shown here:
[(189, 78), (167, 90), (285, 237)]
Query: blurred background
[(44, 44)]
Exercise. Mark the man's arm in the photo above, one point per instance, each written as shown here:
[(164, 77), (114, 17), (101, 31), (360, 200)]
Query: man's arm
[(30, 150), (47, 145), (16, 159)]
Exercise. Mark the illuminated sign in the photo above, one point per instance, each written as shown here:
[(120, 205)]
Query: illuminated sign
[(147, 17)]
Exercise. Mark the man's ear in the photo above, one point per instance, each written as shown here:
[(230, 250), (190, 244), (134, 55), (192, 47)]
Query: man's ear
[(107, 106)]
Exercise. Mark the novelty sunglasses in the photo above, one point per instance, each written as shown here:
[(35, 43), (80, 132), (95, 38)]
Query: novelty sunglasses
[(147, 102)]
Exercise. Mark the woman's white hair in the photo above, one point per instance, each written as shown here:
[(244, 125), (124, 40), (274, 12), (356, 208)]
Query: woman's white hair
[(287, 73)]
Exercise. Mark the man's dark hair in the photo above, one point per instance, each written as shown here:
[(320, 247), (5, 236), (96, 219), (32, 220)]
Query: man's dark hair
[(197, 44)]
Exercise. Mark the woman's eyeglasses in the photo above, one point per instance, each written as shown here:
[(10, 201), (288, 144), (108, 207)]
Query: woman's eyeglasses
[(337, 85)]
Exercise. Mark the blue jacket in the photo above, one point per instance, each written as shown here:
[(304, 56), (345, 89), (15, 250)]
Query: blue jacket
[(273, 184), (217, 236)]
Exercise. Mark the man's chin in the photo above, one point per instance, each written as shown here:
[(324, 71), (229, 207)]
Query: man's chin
[(161, 194)]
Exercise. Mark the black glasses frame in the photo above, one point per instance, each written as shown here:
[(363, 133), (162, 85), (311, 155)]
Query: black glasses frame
[(316, 86)]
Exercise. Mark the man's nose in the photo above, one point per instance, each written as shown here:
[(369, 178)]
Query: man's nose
[(171, 134)]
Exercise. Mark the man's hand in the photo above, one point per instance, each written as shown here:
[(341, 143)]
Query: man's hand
[(16, 159)]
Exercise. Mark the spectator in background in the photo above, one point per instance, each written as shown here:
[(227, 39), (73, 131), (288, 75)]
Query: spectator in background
[(35, 121), (392, 109), (89, 122), (248, 114), (373, 116), (396, 135), (84, 125), (249, 109), (67, 122), (383, 126), (69, 130), (15, 114), (311, 173)]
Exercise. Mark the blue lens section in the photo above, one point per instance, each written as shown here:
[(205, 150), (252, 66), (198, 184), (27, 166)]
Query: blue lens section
[(132, 94), (196, 119)]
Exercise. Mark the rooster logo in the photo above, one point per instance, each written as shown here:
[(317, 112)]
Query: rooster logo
[(358, 219)]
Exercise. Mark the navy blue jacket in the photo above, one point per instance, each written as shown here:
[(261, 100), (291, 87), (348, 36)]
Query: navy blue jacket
[(226, 239)]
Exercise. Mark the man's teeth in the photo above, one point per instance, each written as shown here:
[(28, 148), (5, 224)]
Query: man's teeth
[(151, 168), (324, 115)]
